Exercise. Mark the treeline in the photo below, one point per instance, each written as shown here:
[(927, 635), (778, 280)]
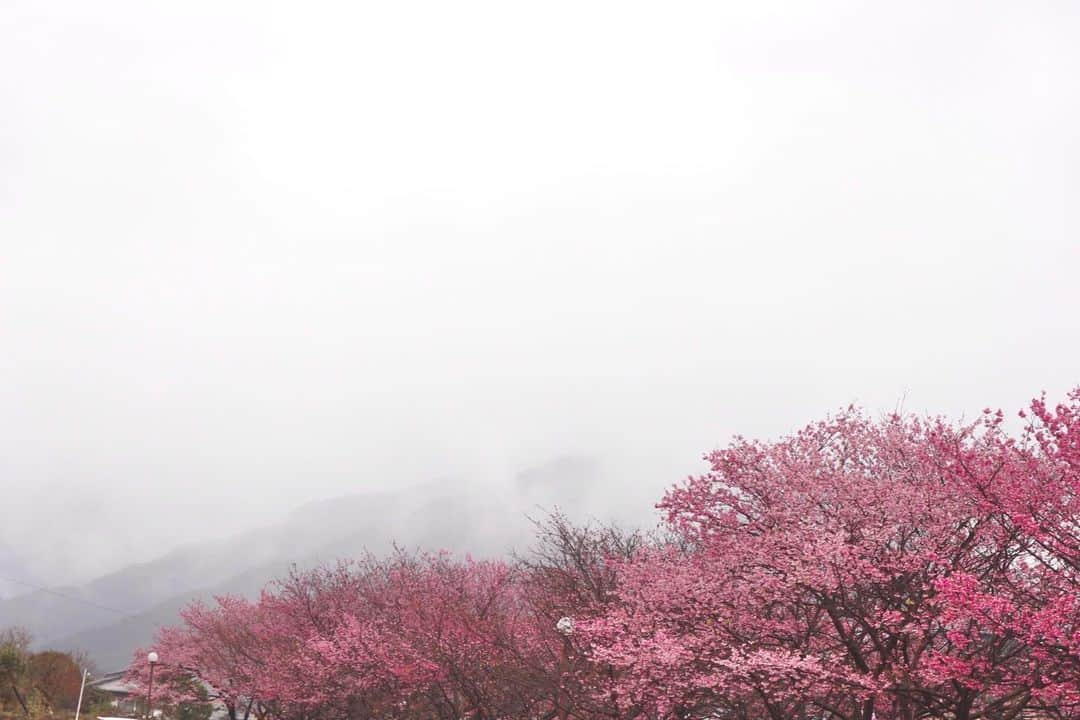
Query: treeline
[(862, 568), (36, 684)]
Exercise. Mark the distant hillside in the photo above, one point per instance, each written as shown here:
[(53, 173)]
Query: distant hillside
[(112, 645), (67, 610), (449, 515)]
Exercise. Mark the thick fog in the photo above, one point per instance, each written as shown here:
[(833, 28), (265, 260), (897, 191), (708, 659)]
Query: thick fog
[(258, 254)]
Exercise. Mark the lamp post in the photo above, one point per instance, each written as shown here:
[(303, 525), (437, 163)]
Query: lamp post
[(151, 658), (565, 627)]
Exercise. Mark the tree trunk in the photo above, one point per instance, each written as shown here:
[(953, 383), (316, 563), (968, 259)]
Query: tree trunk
[(22, 701), (963, 708)]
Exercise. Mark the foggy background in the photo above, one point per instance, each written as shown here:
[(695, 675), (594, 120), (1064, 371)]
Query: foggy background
[(255, 255)]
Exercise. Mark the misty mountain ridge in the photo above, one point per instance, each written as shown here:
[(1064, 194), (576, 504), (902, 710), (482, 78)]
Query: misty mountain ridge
[(112, 615)]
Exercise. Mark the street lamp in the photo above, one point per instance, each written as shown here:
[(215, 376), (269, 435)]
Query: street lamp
[(151, 658), (565, 627)]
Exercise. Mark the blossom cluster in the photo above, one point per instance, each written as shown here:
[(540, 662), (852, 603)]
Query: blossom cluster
[(899, 567)]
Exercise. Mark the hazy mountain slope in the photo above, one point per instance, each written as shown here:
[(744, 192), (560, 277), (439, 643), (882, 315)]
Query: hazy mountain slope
[(481, 522), (444, 515), (112, 645), (66, 610)]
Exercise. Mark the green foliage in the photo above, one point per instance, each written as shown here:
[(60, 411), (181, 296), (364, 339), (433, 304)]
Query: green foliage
[(14, 649), (35, 685), (190, 711)]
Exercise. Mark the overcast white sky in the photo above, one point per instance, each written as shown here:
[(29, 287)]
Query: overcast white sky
[(256, 253)]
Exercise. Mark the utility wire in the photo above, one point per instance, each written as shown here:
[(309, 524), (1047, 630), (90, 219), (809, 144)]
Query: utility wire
[(70, 598)]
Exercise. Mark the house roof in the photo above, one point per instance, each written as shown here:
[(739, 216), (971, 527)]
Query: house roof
[(112, 683)]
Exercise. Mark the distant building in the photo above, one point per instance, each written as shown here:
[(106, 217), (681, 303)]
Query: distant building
[(127, 700), (122, 694)]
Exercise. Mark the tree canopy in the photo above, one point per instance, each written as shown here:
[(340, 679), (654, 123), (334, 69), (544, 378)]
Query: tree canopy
[(896, 567)]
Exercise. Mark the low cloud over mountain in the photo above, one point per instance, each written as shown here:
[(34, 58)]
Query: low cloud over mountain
[(114, 614)]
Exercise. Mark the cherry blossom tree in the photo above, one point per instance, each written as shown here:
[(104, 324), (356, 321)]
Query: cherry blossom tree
[(212, 656), (899, 568), (1028, 487), (572, 572), (406, 637), (806, 584)]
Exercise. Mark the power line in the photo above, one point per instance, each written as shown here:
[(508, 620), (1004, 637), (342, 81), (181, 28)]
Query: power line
[(70, 598)]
